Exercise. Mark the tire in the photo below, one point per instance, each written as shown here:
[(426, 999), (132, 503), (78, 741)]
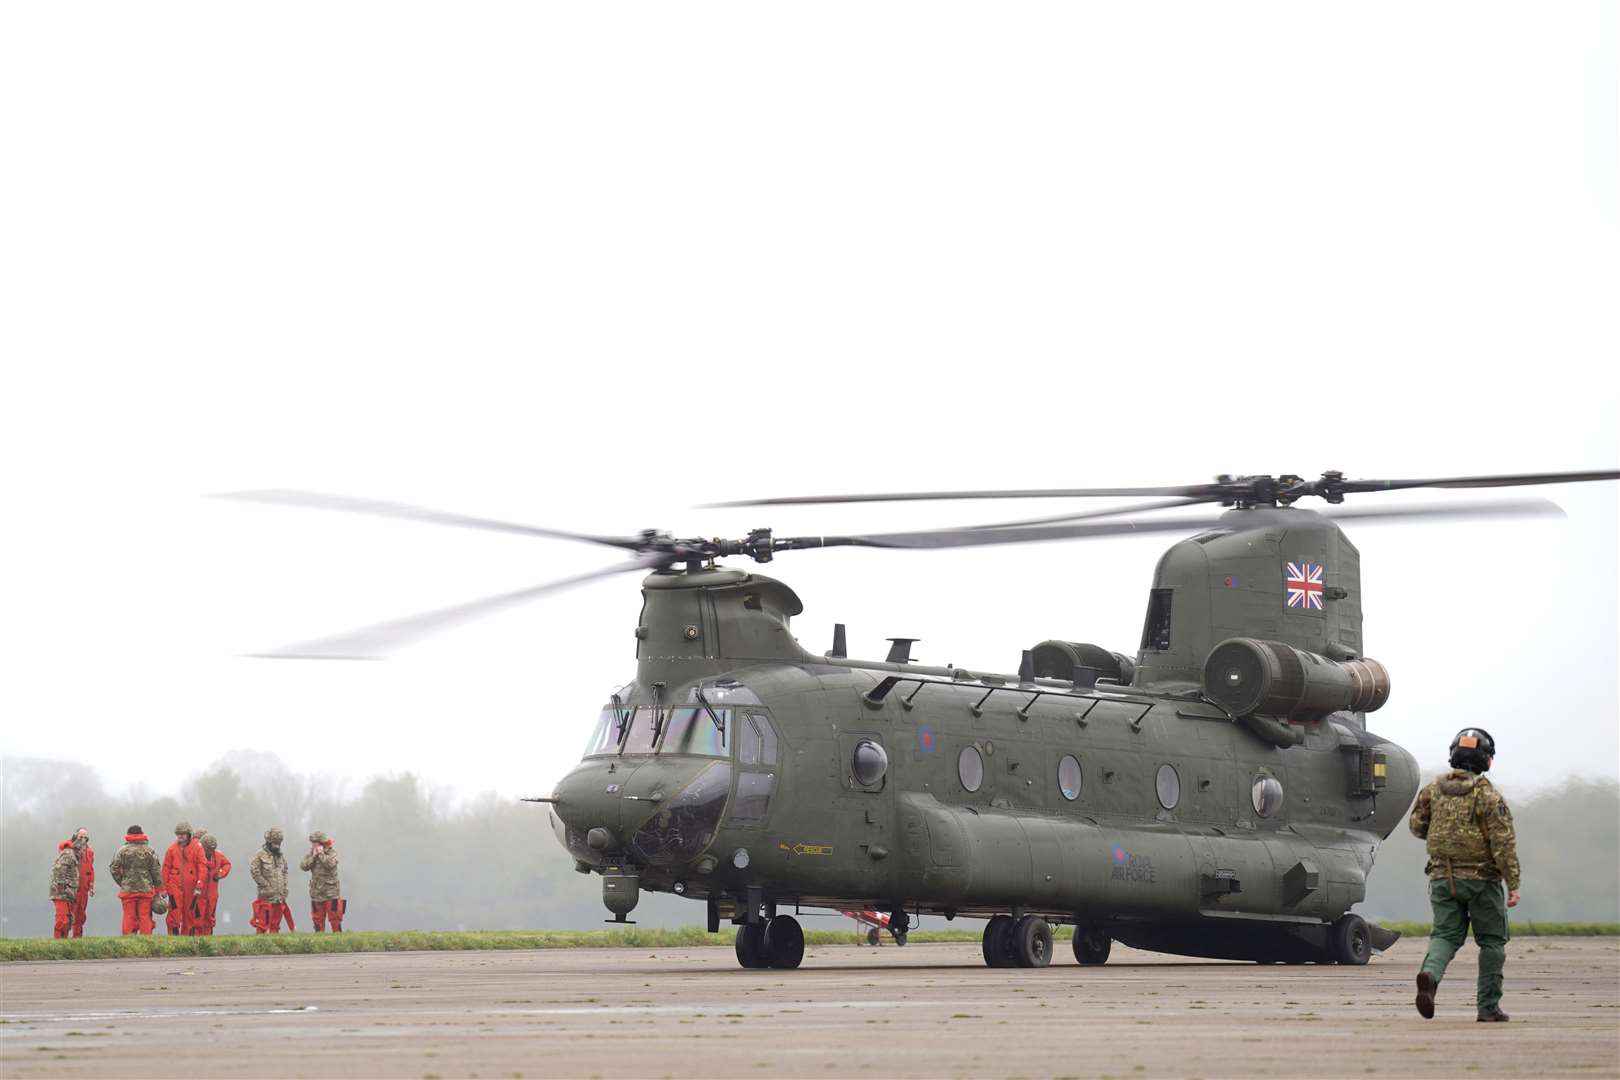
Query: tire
[(784, 942), (751, 946), (1350, 942), (998, 943), (900, 938), (873, 938), (1091, 945), (1032, 942)]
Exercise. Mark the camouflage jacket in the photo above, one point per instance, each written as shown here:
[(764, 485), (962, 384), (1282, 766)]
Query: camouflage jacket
[(65, 874), (1469, 829), (323, 874), (136, 868), (269, 872)]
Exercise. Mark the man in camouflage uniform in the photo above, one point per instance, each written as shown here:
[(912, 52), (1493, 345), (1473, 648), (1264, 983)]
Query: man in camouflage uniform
[(87, 879), (1469, 830), (138, 874), (269, 871), (326, 901), (215, 869), (64, 887)]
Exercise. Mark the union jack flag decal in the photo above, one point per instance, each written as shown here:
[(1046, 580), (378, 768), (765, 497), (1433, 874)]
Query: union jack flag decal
[(1304, 585)]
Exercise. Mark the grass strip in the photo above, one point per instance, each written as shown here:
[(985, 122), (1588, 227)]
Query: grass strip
[(630, 937)]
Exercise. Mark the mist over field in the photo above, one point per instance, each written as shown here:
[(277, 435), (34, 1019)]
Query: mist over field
[(416, 858)]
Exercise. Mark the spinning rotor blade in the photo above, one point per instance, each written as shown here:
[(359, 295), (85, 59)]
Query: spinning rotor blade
[(1239, 490), (982, 536), (1509, 480), (372, 642), (314, 500), (1197, 492), (1138, 508)]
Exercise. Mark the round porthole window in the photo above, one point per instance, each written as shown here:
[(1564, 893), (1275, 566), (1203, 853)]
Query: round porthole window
[(1069, 777), (870, 763), (1267, 794), (1168, 784), (970, 768)]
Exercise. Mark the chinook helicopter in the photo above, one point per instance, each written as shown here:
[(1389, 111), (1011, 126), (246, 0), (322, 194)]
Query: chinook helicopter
[(1215, 794)]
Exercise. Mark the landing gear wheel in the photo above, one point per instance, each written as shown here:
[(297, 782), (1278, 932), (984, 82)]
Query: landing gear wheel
[(1091, 945), (1032, 942), (998, 942), (900, 937), (1350, 942), (873, 938), (751, 946), (784, 942)]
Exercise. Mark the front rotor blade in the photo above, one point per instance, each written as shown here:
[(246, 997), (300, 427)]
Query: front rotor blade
[(971, 537), (1508, 480), (314, 500), (373, 642), (1203, 492)]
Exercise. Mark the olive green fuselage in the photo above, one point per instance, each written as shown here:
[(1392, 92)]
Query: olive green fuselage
[(1153, 827)]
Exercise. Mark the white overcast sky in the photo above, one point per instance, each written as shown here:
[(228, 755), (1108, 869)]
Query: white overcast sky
[(589, 265)]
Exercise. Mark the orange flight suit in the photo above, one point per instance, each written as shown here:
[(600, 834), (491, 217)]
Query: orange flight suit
[(216, 868), (182, 877), (87, 885)]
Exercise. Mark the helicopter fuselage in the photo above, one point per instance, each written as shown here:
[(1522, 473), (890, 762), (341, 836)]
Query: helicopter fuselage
[(741, 770)]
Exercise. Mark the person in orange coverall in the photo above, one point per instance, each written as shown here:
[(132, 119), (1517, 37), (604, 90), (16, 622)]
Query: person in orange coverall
[(182, 875), (87, 879), (215, 869)]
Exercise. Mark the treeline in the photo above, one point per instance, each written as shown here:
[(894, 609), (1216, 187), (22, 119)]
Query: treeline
[(411, 860), (1569, 852)]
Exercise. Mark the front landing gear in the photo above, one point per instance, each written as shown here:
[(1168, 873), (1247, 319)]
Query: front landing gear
[(777, 942), (1022, 942)]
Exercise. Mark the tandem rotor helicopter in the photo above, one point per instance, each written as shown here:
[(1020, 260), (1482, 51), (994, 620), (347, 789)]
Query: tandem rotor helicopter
[(1216, 794)]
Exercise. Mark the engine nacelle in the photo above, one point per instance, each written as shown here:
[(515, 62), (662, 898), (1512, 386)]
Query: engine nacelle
[(1082, 662), (1250, 677)]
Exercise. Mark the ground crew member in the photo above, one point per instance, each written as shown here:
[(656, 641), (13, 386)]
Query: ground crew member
[(182, 875), (138, 874), (216, 867), (87, 879), (269, 871), (64, 887), (1469, 830), (326, 901)]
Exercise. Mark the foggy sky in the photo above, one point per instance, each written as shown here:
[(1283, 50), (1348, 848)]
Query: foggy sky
[(587, 271)]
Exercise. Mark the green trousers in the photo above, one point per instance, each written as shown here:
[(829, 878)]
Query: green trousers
[(1484, 905)]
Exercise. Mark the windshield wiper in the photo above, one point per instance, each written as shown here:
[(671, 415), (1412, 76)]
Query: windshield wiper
[(719, 724)]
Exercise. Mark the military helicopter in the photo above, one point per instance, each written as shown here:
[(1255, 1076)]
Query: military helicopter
[(1215, 794)]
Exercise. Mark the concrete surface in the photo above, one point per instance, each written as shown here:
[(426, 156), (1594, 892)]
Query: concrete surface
[(925, 1010)]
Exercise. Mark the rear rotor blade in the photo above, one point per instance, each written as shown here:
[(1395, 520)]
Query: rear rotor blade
[(314, 500), (1202, 492), (1135, 508), (373, 642), (1507, 480), (979, 537)]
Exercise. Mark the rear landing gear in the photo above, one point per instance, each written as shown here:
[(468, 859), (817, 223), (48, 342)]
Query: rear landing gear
[(778, 942), (1091, 945), (1350, 941)]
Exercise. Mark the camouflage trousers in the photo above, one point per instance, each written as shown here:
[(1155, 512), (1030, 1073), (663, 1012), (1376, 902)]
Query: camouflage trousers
[(1482, 904)]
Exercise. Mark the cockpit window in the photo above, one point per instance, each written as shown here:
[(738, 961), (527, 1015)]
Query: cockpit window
[(605, 739), (644, 729), (693, 731)]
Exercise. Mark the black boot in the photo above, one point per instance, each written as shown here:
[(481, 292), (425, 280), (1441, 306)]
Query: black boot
[(1425, 995)]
